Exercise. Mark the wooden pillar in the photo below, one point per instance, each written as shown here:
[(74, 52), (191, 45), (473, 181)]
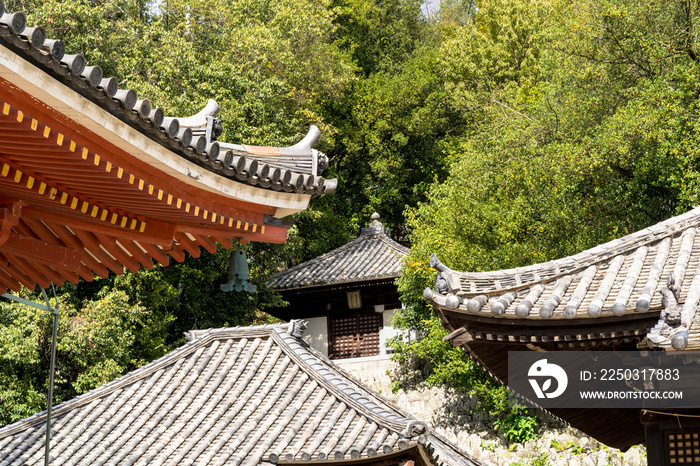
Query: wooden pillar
[(654, 439)]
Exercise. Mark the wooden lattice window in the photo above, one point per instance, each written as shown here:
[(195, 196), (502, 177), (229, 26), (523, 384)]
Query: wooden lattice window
[(354, 336), (683, 447)]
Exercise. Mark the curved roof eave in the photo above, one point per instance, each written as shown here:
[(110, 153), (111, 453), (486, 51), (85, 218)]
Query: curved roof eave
[(618, 282), (51, 93), (41, 64), (546, 271)]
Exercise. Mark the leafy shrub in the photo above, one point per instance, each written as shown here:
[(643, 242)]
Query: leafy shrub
[(445, 365), (517, 426), (442, 364)]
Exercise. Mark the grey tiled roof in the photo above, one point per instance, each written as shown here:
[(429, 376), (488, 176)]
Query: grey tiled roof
[(246, 395), (291, 169), (372, 256), (619, 278)]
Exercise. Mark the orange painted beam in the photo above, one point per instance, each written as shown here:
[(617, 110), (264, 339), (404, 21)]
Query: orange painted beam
[(156, 253), (137, 253), (93, 246), (7, 281), (69, 239), (187, 244), (110, 245), (207, 242), (42, 252), (177, 253), (28, 278), (36, 272), (271, 234)]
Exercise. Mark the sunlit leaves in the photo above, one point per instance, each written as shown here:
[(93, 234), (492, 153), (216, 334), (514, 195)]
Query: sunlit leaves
[(592, 135), (95, 344)]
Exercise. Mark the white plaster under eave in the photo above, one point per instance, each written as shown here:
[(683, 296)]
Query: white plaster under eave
[(61, 98), (316, 334)]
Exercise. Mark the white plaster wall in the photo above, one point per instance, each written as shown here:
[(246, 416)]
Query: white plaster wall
[(387, 330), (387, 316), (316, 334)]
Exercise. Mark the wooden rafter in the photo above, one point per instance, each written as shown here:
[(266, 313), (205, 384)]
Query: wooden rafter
[(74, 205)]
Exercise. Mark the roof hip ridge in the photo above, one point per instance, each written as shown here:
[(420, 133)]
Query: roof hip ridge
[(580, 261), (328, 374)]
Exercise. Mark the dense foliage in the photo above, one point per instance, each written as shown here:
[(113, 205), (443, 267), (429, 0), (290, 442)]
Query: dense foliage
[(495, 133), (587, 131), (96, 343), (583, 128)]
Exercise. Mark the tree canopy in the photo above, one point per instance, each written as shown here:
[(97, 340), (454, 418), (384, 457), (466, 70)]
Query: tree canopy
[(586, 131)]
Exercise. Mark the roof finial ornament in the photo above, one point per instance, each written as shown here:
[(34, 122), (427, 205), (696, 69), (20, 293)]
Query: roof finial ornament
[(670, 325), (669, 299), (414, 429), (375, 227), (297, 327), (446, 284)]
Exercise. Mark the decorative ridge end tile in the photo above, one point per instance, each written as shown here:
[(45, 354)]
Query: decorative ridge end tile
[(193, 137)]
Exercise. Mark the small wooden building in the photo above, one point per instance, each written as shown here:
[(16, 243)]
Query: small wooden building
[(347, 295), (245, 395), (94, 178), (608, 298)]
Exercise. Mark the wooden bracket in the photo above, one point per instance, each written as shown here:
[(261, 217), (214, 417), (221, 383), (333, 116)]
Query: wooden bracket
[(9, 218), (462, 339), (459, 337), (43, 252), (457, 332)]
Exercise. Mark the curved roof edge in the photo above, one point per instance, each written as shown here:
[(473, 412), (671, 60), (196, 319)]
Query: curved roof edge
[(536, 273), (643, 288), (371, 256), (294, 170), (399, 430)]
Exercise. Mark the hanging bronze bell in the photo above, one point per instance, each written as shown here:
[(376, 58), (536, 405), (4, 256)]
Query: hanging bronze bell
[(238, 273)]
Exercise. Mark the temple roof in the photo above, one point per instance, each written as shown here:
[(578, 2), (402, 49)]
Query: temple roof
[(616, 281), (245, 395), (95, 180), (372, 256), (290, 169)]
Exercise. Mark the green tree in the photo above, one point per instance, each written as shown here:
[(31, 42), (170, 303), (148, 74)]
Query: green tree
[(586, 130), (380, 34), (95, 344)]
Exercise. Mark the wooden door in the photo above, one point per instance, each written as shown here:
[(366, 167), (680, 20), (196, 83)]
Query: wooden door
[(354, 336)]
